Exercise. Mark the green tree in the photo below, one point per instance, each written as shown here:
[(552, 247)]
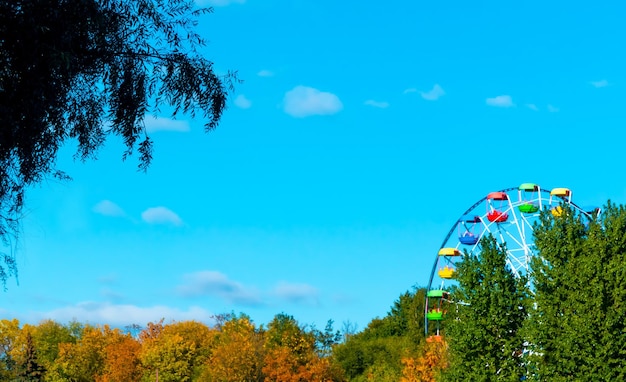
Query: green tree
[(484, 326), (376, 353), (578, 325), (86, 70), (327, 339), (47, 336)]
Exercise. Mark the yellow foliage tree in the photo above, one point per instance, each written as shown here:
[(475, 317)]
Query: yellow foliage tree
[(237, 354), (9, 334), (83, 360), (176, 352)]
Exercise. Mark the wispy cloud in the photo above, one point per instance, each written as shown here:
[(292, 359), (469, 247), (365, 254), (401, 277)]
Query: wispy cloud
[(553, 109), (304, 101), (378, 104), (161, 215), (500, 101), (242, 102), (599, 84), (434, 94), (532, 106), (108, 279), (297, 293), (108, 208), (409, 90), (164, 124), (213, 283), (120, 314), (265, 73), (111, 295), (219, 3)]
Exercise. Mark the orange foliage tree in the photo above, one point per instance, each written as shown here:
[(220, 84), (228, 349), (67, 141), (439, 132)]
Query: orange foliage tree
[(425, 368), (121, 359), (291, 354)]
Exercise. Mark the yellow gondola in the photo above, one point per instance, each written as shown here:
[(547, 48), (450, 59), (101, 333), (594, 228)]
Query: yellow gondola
[(449, 252), (446, 272)]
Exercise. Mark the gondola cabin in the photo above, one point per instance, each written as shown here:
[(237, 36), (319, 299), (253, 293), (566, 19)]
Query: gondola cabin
[(563, 193), (449, 252), (469, 229), (436, 299), (557, 211), (446, 272), (529, 198), (434, 338), (497, 202)]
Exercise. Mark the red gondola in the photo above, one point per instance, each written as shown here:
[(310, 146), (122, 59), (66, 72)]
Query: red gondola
[(496, 203)]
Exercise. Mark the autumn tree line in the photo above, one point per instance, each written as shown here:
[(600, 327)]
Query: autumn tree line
[(233, 349)]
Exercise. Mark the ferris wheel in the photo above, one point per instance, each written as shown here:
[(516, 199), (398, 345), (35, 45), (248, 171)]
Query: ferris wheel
[(509, 216)]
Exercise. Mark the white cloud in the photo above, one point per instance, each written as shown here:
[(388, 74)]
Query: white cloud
[(552, 109), (108, 208), (434, 94), (219, 3), (532, 106), (296, 293), (161, 215), (164, 124), (599, 84), (500, 101), (378, 104), (265, 73), (213, 283), (409, 90), (303, 101), (120, 314), (242, 102)]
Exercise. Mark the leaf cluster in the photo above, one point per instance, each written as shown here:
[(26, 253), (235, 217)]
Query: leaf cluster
[(88, 69)]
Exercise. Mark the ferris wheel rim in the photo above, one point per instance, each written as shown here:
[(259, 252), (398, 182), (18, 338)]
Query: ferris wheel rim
[(560, 195)]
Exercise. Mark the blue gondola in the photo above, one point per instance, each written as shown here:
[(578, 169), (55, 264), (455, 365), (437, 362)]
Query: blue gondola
[(469, 229)]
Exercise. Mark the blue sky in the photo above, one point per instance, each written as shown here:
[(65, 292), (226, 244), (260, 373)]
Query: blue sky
[(358, 137)]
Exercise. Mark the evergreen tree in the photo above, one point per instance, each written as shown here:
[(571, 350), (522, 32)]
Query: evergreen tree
[(484, 325), (31, 370), (577, 328)]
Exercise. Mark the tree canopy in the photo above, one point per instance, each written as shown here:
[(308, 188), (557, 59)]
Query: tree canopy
[(484, 326), (578, 325), (88, 69), (571, 326)]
